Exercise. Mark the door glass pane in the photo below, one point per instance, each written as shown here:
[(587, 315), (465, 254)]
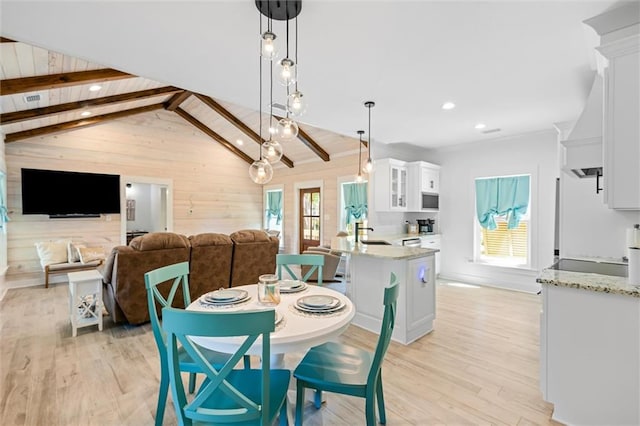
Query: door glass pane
[(307, 228), (307, 204), (315, 204), (315, 228)]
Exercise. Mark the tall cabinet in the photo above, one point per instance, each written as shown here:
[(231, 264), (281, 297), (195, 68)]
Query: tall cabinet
[(619, 31)]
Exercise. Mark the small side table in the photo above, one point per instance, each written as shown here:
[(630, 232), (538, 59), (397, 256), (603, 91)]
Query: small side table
[(85, 299)]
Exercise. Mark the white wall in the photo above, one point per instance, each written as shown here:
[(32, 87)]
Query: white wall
[(534, 154), (588, 228)]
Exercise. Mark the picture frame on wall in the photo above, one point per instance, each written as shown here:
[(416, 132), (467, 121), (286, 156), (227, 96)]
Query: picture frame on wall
[(131, 210)]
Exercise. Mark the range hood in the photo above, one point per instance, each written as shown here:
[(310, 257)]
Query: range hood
[(583, 147)]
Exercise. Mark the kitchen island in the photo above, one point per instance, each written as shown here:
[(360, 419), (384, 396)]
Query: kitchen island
[(590, 347), (370, 269)]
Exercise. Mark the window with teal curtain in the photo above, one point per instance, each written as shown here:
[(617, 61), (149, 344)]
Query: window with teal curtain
[(274, 206), (355, 201), (4, 218), (502, 196)]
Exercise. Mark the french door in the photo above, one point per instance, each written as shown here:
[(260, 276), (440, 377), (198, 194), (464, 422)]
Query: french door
[(309, 218)]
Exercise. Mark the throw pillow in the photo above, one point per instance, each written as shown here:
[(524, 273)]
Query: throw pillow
[(73, 253), (89, 254), (52, 252)]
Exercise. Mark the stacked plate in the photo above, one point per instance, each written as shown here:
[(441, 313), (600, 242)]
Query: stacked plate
[(227, 296), (320, 304), (292, 286)]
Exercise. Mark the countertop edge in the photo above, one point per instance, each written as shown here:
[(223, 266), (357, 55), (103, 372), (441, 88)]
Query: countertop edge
[(590, 282)]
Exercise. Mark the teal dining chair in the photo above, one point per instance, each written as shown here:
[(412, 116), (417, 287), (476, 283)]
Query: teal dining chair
[(179, 273), (241, 396), (344, 369), (314, 261)]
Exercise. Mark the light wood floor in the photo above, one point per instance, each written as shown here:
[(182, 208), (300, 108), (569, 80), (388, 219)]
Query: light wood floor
[(479, 366)]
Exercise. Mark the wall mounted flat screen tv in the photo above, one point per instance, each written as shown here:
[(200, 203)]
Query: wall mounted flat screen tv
[(69, 194)]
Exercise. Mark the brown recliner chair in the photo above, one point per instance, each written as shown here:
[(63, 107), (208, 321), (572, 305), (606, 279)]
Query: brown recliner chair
[(210, 264), (331, 262), (124, 292), (254, 254)]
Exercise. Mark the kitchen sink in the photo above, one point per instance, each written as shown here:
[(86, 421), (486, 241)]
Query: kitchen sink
[(376, 242), (591, 267)]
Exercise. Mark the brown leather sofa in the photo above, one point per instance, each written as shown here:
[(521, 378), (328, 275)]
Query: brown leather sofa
[(210, 259), (254, 254), (210, 263), (124, 293)]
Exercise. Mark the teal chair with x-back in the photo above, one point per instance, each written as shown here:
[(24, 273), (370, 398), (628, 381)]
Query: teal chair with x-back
[(340, 368), (227, 396), (178, 274), (286, 261)]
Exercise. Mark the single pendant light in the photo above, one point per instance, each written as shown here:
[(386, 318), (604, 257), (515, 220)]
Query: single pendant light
[(368, 166), (271, 149), (296, 103), (260, 171), (359, 177)]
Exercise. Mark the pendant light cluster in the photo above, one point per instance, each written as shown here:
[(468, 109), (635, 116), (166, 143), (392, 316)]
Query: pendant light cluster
[(286, 129), (368, 165)]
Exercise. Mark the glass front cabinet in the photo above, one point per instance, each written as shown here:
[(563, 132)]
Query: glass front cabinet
[(390, 181)]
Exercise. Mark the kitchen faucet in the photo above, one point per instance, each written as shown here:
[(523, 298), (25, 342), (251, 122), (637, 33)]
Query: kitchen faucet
[(358, 229)]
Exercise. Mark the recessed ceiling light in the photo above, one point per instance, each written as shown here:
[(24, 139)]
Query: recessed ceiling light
[(239, 141), (480, 126), (85, 113), (95, 88), (448, 105)]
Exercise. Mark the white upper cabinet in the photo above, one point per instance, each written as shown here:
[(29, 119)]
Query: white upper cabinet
[(390, 185), (424, 178), (619, 31)]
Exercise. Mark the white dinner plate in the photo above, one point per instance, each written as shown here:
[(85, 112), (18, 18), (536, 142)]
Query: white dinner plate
[(307, 309), (318, 302), (292, 286)]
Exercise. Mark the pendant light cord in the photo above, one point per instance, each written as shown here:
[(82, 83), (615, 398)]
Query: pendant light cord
[(270, 99), (296, 53), (260, 95), (369, 147)]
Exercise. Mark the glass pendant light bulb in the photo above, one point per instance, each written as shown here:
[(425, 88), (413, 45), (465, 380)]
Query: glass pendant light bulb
[(287, 75), (296, 104), (268, 49), (287, 129), (359, 178), (368, 166), (261, 172), (272, 151)]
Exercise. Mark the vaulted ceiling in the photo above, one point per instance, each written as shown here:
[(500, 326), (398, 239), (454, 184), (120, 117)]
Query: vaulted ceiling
[(46, 92), (515, 66)]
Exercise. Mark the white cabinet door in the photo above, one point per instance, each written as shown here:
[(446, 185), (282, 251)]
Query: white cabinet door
[(421, 296), (430, 180), (621, 138), (390, 185)]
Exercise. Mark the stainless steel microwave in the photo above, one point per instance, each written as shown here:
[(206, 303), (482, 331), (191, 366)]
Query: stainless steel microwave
[(430, 201)]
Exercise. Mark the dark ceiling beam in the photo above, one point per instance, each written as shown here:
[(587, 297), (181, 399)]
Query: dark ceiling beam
[(6, 40), (78, 124), (175, 101), (213, 135), (222, 111), (55, 81), (310, 143), (14, 117)]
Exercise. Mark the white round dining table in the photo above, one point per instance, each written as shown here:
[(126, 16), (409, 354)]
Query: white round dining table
[(296, 332)]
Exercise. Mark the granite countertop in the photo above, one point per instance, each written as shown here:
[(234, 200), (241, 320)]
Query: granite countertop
[(592, 282), (396, 237), (348, 245)]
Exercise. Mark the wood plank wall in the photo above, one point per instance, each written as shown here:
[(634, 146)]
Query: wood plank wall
[(207, 180), (328, 173)]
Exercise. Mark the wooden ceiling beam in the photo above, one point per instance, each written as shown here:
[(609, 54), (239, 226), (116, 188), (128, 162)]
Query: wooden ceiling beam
[(55, 81), (15, 117), (78, 124), (222, 111), (213, 135), (177, 99), (6, 40), (310, 143)]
